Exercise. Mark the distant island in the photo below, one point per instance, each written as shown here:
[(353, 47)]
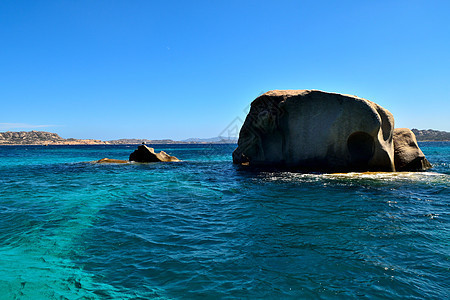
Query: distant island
[(49, 138), (431, 135)]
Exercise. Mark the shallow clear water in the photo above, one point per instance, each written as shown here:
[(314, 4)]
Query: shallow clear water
[(205, 228)]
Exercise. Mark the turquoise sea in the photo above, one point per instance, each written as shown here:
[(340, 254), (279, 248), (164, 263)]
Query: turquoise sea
[(205, 228)]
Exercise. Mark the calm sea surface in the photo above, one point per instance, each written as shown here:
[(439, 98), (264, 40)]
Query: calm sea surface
[(205, 228)]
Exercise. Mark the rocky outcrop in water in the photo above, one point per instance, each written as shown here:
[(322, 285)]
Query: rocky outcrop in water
[(142, 154), (147, 154), (407, 154), (316, 131)]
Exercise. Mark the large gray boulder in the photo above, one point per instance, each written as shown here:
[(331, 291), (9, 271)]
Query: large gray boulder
[(316, 131), (147, 154), (407, 154)]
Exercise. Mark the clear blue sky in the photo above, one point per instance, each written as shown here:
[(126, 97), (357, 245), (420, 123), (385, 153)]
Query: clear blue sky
[(180, 69)]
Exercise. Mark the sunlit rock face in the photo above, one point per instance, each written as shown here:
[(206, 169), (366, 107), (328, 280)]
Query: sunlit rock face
[(407, 154), (316, 131), (147, 154)]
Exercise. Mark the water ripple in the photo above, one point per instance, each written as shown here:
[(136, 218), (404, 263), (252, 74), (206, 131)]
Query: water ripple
[(204, 228)]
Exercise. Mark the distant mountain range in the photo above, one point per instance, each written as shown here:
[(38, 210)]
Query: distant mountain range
[(49, 138)]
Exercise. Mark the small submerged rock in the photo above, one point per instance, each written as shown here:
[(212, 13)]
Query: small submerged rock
[(112, 161), (147, 154)]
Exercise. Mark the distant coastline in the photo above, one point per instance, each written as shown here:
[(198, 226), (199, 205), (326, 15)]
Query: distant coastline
[(15, 138), (43, 138), (430, 135)]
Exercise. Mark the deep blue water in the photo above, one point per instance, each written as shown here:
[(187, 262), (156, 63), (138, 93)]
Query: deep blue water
[(205, 228)]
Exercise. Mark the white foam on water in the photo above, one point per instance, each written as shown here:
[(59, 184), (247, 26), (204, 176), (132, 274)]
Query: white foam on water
[(413, 177), (389, 176)]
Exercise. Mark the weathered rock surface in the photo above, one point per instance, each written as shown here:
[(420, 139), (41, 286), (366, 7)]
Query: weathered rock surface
[(316, 131), (147, 154), (112, 161), (407, 154)]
